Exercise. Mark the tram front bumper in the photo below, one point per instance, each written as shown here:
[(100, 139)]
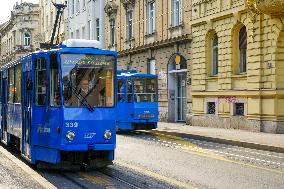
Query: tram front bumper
[(86, 147)]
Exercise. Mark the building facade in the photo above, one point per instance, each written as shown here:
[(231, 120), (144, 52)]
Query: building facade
[(238, 64), (20, 35), (47, 19), (85, 20), (153, 36)]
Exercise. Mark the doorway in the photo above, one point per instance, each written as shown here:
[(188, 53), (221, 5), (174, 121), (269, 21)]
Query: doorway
[(177, 89)]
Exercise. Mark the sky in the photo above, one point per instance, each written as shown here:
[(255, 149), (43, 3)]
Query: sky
[(7, 6)]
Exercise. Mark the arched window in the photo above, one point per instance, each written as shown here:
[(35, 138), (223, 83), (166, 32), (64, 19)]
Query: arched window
[(242, 50), (214, 55), (27, 39)]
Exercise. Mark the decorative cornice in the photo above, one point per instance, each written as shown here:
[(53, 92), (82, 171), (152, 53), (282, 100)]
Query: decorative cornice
[(200, 2), (157, 44), (274, 7)]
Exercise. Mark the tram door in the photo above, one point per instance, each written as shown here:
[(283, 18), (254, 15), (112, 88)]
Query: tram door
[(27, 106), (181, 96), (4, 107)]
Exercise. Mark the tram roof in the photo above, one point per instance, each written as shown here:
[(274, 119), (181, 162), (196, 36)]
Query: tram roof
[(63, 49)]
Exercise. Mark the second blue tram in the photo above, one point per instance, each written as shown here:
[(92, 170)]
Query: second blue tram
[(58, 106), (137, 105)]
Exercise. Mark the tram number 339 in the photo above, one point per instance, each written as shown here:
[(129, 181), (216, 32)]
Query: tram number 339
[(71, 124)]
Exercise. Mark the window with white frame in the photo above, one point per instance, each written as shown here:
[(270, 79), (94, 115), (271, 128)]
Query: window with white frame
[(150, 16), (176, 13), (78, 6), (214, 58), (84, 4), (112, 32), (72, 35), (98, 28), (129, 25), (27, 39), (89, 29), (83, 32), (243, 50), (72, 7), (78, 34), (151, 67)]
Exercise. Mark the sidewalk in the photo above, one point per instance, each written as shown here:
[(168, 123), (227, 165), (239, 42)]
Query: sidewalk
[(261, 141)]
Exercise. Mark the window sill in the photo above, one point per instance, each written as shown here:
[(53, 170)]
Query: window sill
[(130, 40), (241, 76), (213, 77), (153, 34), (177, 27)]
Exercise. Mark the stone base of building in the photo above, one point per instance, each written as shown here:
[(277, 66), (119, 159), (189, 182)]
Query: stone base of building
[(163, 114), (237, 122)]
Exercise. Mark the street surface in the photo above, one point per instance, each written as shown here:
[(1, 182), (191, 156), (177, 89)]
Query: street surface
[(152, 160), (147, 159), (13, 177), (202, 164)]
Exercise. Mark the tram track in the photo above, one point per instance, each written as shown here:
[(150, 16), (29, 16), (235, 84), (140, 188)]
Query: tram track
[(74, 181), (272, 161), (119, 179), (115, 176)]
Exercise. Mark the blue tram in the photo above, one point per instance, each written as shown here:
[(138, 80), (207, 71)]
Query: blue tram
[(58, 105), (137, 106)]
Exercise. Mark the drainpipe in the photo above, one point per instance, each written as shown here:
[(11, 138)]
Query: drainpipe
[(261, 68)]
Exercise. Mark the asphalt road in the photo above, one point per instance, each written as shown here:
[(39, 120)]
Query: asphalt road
[(188, 163)]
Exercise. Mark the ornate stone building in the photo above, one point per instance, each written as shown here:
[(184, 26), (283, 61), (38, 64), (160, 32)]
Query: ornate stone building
[(153, 36), (238, 64), (19, 35), (85, 20), (47, 20)]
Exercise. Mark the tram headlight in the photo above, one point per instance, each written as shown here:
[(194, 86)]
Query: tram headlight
[(107, 134), (70, 135)]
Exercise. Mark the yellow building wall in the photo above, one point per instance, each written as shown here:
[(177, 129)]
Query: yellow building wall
[(261, 88)]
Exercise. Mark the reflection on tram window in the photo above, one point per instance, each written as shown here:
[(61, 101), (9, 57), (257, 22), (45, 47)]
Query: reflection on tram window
[(11, 85), (54, 87), (145, 89), (18, 80), (40, 82), (88, 80), (129, 91), (120, 90)]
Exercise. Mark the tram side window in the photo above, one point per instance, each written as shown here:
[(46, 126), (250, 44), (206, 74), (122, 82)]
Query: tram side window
[(145, 90), (40, 81), (129, 91), (11, 85), (18, 80), (54, 82), (120, 91)]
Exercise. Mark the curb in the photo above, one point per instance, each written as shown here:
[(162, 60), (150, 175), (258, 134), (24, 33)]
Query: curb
[(225, 141), (33, 174)]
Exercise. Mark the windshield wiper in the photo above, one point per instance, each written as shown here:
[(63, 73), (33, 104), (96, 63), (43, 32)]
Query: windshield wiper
[(82, 99)]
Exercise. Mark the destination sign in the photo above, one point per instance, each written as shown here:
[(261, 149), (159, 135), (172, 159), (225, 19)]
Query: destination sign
[(82, 59)]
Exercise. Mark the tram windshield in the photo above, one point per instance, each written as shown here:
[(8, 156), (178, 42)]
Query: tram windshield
[(88, 80), (145, 89)]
